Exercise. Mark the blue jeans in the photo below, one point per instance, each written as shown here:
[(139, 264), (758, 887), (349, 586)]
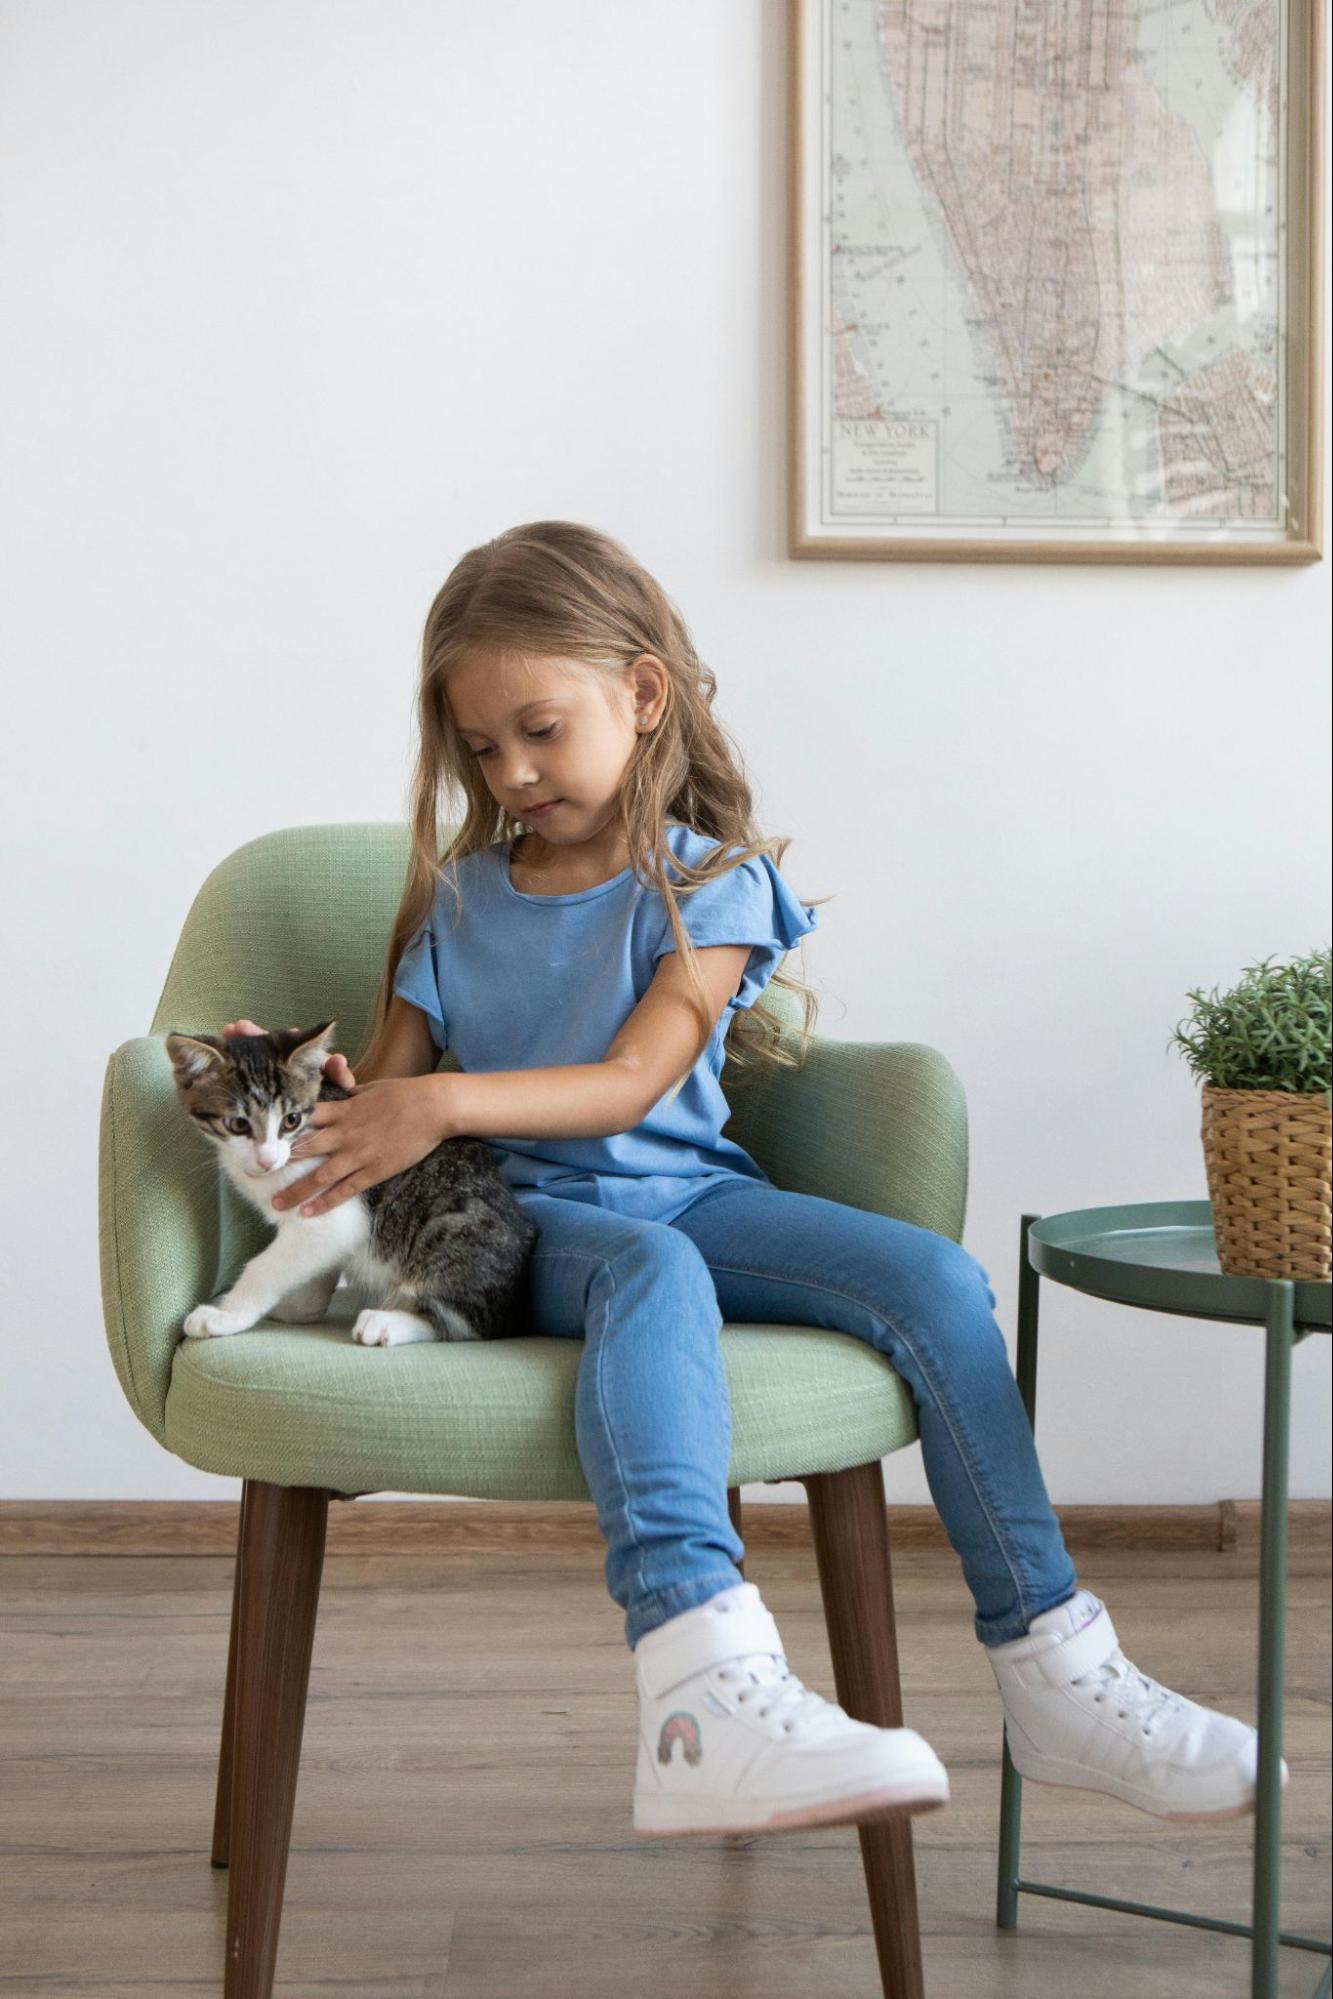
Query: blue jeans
[(652, 1414)]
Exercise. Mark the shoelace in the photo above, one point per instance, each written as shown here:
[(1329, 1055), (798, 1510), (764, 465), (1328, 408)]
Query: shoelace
[(1134, 1693), (788, 1698)]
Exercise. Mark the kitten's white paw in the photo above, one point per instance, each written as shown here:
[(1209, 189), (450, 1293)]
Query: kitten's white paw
[(391, 1329), (210, 1322)]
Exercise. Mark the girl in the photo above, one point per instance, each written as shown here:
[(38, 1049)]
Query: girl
[(590, 1006)]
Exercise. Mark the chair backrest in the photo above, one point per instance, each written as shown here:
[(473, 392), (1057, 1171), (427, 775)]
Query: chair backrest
[(290, 929)]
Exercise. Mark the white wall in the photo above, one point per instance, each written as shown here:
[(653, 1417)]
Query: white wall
[(302, 301)]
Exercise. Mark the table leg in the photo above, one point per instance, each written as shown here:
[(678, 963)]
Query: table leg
[(1272, 1616), (1011, 1784)]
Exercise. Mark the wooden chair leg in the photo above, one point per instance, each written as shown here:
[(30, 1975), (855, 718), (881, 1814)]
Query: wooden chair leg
[(850, 1527), (734, 1509), (222, 1803), (282, 1555)]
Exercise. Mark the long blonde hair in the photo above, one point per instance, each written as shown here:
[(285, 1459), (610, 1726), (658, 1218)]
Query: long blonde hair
[(565, 591)]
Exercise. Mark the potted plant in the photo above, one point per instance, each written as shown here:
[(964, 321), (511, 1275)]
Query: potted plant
[(1264, 1052)]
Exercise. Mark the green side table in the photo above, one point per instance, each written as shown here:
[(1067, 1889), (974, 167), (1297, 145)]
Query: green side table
[(1161, 1256)]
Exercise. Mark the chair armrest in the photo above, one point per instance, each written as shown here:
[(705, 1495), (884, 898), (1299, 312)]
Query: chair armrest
[(159, 1222), (874, 1124)]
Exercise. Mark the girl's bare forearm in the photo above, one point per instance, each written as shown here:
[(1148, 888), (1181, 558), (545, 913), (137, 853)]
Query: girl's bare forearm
[(576, 1100)]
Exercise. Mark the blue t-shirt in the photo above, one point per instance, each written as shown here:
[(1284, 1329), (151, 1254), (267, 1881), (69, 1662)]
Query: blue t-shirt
[(520, 981)]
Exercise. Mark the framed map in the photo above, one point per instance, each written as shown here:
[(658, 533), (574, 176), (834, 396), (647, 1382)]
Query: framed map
[(1056, 279)]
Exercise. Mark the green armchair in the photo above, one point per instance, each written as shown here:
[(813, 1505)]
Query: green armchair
[(293, 927)]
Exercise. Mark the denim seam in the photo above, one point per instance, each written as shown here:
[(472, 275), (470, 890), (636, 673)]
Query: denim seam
[(1001, 1540)]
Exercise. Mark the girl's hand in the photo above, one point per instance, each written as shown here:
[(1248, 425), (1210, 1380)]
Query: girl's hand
[(334, 1065), (383, 1129)]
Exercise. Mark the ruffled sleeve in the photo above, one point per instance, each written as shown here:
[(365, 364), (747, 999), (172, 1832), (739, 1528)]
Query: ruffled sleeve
[(750, 904), (417, 979)]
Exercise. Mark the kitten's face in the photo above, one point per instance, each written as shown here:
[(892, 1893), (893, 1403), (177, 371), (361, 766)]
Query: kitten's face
[(251, 1093)]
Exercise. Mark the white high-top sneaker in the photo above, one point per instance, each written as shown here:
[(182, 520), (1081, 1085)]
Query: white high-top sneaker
[(731, 1741), (1078, 1713)]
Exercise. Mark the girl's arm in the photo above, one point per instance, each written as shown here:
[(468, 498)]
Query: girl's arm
[(576, 1100), (393, 1121), (408, 1049), (581, 1100)]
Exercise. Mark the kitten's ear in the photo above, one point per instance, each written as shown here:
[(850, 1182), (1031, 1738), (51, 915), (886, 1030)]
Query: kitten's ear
[(194, 1056), (304, 1048)]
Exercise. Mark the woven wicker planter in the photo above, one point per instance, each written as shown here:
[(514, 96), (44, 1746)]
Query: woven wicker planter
[(1267, 1153)]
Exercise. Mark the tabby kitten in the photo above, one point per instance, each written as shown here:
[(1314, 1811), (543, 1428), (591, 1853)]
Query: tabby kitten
[(438, 1252)]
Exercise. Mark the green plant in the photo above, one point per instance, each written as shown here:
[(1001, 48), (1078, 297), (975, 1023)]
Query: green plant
[(1272, 1031)]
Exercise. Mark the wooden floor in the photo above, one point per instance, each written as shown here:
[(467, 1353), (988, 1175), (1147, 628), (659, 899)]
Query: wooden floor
[(463, 1815)]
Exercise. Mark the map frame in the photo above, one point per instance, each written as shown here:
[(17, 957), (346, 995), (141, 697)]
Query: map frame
[(906, 453)]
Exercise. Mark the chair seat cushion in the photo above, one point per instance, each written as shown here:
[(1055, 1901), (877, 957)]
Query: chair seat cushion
[(494, 1419)]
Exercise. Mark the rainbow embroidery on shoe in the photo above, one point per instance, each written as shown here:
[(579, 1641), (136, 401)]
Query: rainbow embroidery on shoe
[(682, 1728)]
